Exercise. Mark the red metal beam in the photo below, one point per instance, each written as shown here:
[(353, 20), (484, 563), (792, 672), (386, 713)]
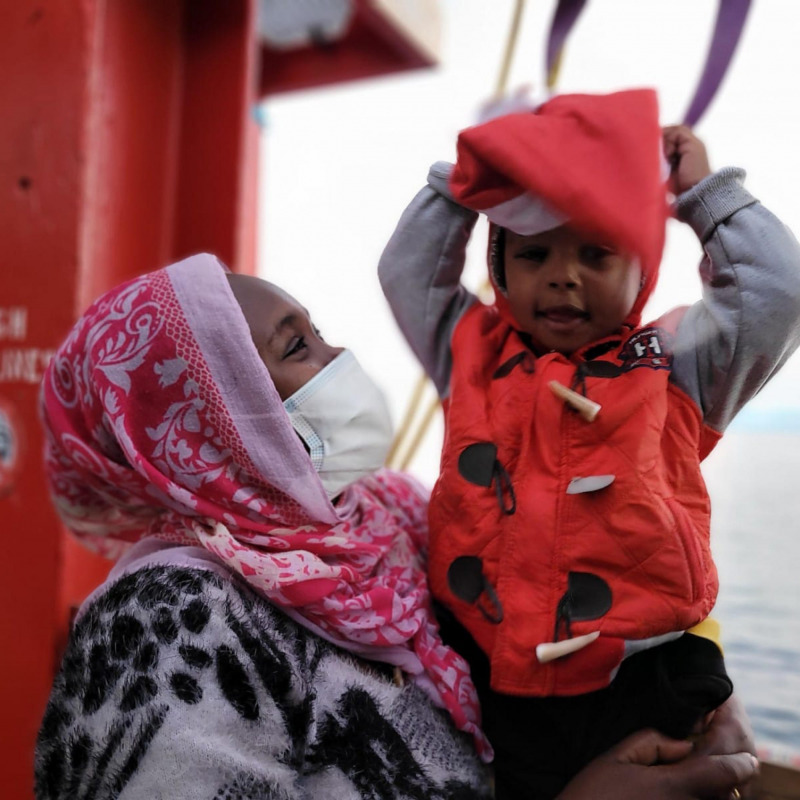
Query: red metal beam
[(214, 158), (372, 46), (130, 144), (43, 96)]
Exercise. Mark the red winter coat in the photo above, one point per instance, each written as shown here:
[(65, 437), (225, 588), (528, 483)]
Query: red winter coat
[(525, 553)]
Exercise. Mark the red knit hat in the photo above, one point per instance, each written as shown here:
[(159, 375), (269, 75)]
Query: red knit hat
[(594, 160)]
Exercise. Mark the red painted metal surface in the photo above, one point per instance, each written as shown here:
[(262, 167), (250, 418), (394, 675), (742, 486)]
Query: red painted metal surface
[(169, 112), (219, 91), (372, 46), (128, 142), (43, 95)]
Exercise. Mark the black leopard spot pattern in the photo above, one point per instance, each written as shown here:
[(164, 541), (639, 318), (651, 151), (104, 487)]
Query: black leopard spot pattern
[(171, 666)]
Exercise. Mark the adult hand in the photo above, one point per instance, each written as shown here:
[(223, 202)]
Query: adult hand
[(728, 731), (650, 765), (687, 157)]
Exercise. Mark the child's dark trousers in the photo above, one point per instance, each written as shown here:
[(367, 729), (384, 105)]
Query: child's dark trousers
[(542, 742)]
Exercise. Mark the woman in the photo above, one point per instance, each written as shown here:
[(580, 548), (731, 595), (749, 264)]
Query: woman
[(267, 631)]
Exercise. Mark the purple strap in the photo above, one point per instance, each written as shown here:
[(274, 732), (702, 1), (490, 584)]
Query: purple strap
[(567, 11), (731, 17)]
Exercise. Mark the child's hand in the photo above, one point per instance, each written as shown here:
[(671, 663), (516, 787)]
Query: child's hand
[(687, 158)]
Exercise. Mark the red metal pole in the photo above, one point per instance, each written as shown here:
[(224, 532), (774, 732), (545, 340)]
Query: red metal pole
[(43, 93), (127, 144)]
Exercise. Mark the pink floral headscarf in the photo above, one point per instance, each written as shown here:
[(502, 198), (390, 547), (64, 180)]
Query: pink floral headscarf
[(162, 421)]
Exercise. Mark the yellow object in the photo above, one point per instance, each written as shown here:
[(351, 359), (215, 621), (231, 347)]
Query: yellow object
[(508, 53), (420, 434), (396, 459), (710, 629), (552, 76), (405, 425), (408, 436)]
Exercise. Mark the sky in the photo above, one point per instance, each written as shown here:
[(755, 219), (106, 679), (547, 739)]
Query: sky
[(339, 165)]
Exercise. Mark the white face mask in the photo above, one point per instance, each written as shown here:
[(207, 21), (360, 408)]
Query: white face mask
[(342, 417)]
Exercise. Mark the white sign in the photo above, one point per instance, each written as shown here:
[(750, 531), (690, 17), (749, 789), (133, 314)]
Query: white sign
[(13, 323), (23, 364), (9, 450), (8, 441)]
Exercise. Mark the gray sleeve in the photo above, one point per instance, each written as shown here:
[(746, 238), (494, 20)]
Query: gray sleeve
[(420, 272), (747, 324)]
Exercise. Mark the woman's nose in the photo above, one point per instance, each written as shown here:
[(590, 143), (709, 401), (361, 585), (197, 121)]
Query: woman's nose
[(329, 353)]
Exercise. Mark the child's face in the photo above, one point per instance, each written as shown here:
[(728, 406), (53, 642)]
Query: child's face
[(566, 290)]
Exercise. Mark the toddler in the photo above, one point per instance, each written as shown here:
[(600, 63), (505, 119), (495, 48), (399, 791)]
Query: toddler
[(569, 546)]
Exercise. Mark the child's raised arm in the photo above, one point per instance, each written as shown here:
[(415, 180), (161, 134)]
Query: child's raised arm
[(420, 272), (747, 325)]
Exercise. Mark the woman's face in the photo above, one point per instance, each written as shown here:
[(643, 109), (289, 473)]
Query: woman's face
[(286, 339)]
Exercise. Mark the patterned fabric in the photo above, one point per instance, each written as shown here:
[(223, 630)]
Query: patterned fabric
[(161, 420), (184, 684)]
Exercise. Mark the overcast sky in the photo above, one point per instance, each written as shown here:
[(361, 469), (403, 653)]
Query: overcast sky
[(340, 164)]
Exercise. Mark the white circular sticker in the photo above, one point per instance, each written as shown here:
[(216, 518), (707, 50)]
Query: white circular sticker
[(9, 449)]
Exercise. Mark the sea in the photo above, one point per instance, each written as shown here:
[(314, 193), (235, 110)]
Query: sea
[(753, 477)]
